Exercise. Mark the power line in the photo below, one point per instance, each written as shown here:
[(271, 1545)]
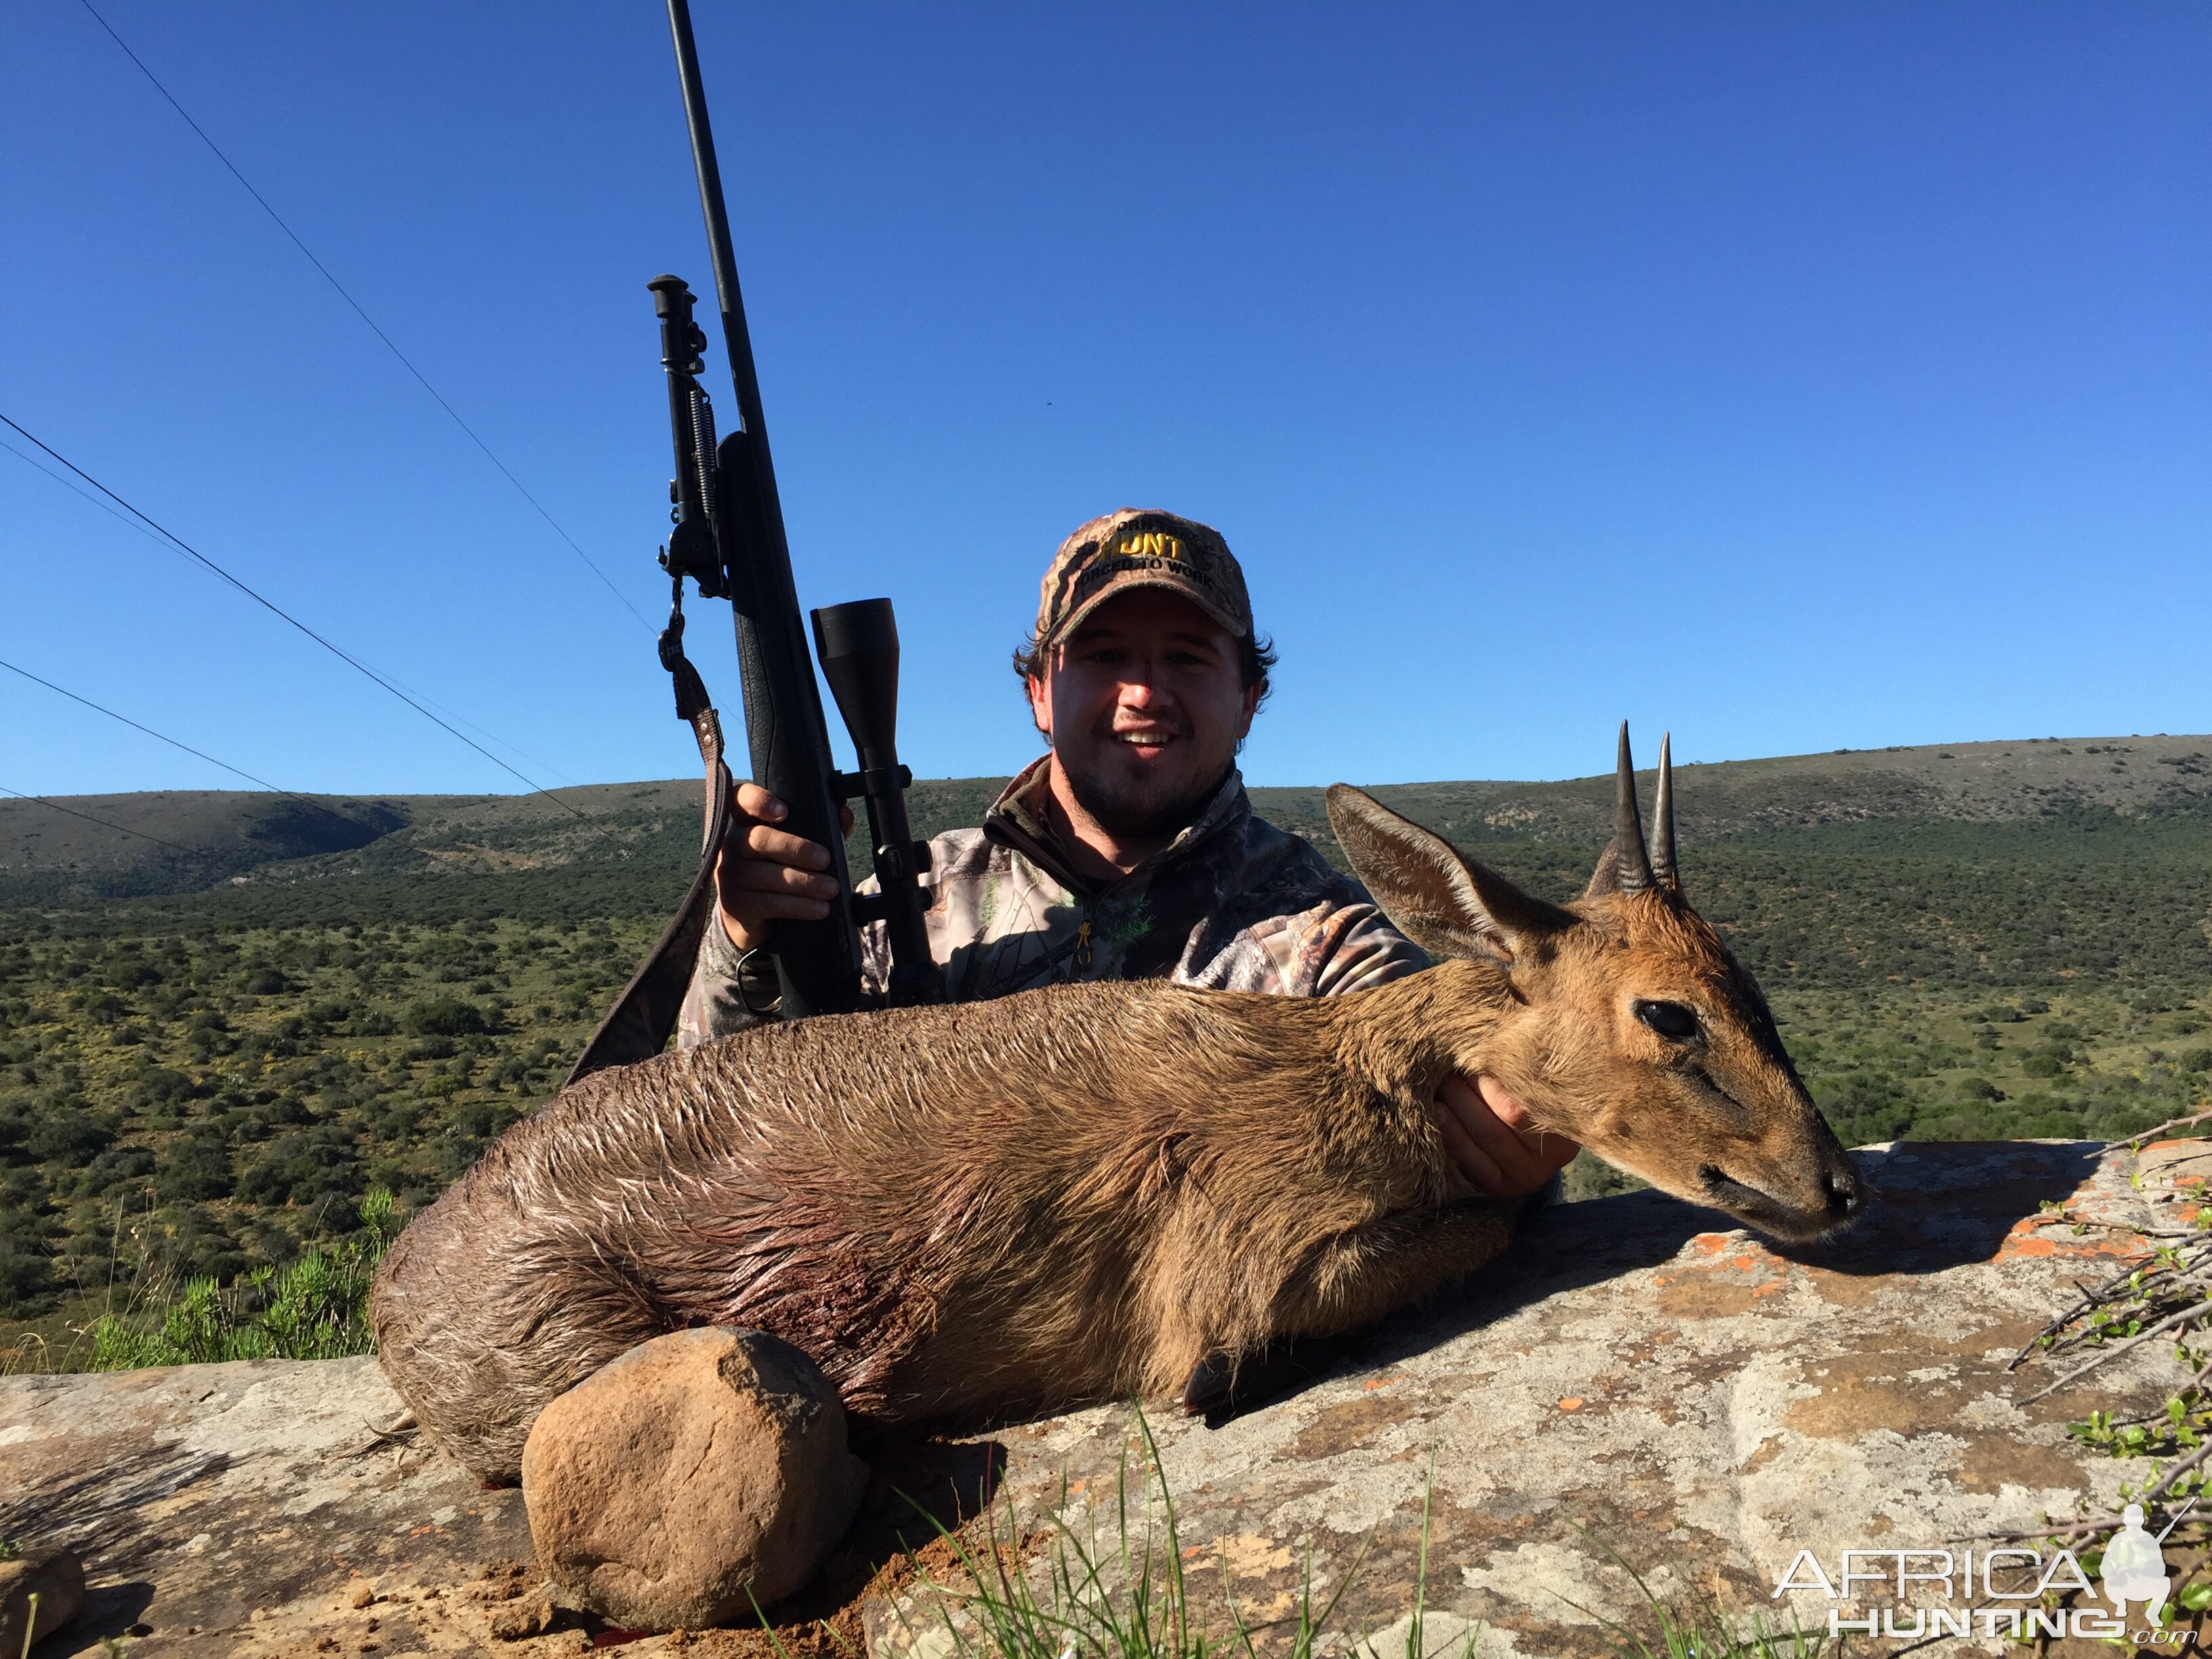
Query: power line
[(405, 362), (538, 761), (235, 771), (123, 518), (102, 822), (34, 461), (276, 610)]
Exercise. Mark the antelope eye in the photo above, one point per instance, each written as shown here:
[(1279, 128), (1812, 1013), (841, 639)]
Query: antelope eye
[(1674, 1020)]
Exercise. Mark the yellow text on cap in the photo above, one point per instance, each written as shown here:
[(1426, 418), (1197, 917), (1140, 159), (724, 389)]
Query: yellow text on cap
[(1152, 543)]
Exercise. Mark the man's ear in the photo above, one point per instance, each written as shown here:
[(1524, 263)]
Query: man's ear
[(1039, 686), (1446, 903)]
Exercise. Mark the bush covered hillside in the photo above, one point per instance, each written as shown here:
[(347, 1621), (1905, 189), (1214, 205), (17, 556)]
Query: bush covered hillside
[(220, 1095), (206, 1082)]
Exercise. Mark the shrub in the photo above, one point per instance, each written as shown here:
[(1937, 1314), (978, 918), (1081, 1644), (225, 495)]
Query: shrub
[(194, 1167), (447, 1017), (114, 1167), (67, 1137), (157, 1085), (300, 1166), (26, 1273)]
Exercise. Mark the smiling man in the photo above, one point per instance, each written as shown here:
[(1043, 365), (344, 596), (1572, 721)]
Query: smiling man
[(1129, 850)]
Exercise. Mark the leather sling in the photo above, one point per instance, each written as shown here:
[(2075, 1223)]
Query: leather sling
[(643, 1017)]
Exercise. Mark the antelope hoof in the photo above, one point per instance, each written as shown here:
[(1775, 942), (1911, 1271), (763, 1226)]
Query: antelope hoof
[(1208, 1384), (1221, 1386)]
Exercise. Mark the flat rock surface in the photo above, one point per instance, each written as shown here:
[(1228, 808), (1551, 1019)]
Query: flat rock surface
[(1638, 1378), (1635, 1376), (217, 1504)]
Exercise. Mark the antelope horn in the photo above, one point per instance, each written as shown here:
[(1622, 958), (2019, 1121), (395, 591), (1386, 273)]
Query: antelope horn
[(1634, 868), (1662, 820)]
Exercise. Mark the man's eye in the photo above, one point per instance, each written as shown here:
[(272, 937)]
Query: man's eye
[(1675, 1021)]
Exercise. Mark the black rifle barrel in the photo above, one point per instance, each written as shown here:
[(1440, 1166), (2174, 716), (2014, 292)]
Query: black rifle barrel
[(820, 961), (735, 336)]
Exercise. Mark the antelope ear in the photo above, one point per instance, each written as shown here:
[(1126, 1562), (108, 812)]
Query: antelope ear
[(1446, 903)]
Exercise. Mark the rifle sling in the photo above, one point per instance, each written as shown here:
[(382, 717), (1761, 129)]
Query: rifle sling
[(643, 1017)]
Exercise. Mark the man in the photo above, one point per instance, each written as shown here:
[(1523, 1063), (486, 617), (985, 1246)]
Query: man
[(1129, 850)]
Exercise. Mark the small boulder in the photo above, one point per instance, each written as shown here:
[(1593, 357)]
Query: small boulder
[(698, 1473), (56, 1577), (529, 1615)]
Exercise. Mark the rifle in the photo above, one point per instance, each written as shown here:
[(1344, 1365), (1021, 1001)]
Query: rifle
[(727, 535)]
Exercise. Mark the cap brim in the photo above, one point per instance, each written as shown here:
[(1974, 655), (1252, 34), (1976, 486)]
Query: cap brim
[(1121, 585)]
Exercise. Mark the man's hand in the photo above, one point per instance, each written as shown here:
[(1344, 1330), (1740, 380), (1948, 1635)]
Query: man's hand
[(765, 874), (1492, 1147)]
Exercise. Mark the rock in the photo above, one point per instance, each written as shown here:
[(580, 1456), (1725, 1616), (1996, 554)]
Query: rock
[(52, 1574), (195, 1494), (1639, 1376), (361, 1595), (698, 1473), (1700, 1403), (529, 1615)]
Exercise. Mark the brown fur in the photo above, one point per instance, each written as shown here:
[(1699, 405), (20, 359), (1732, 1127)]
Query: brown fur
[(1084, 1191)]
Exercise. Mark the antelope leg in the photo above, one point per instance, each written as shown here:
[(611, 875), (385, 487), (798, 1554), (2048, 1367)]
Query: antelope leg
[(1357, 1277), (1351, 1280)]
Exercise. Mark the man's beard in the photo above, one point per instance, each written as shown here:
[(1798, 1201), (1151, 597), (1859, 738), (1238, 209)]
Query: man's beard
[(1140, 807)]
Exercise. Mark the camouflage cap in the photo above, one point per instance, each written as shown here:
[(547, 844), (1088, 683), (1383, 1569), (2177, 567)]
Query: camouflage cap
[(1133, 547)]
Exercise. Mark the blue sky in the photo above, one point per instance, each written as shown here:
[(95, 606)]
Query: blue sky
[(1795, 377)]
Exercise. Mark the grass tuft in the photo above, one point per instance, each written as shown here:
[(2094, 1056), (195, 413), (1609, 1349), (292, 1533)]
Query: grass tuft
[(1057, 1593), (1132, 1599), (315, 1308), (1699, 1628)]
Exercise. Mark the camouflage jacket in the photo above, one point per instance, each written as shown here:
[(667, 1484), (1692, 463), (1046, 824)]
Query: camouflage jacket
[(1233, 903)]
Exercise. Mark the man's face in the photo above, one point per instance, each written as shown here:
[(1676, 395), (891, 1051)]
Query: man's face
[(1144, 705)]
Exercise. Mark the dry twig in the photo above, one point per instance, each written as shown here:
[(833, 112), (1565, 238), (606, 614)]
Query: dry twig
[(2134, 1142), (2188, 1315)]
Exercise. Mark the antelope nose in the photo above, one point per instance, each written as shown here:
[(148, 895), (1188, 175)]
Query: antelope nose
[(1844, 1196)]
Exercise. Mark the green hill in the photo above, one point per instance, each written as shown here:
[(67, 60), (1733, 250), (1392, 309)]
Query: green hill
[(48, 857), (210, 1051)]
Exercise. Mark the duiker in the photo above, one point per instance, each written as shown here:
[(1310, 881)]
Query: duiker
[(1098, 1189)]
